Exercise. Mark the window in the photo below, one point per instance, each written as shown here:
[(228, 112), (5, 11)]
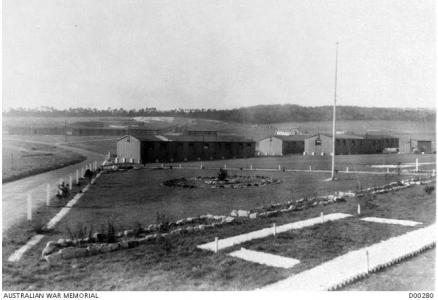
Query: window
[(318, 142), (205, 146)]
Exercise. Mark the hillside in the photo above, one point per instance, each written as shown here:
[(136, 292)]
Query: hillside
[(260, 114)]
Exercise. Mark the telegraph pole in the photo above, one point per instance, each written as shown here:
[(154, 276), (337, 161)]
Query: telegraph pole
[(334, 114)]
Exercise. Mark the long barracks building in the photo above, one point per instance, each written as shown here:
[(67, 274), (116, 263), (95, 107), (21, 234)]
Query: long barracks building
[(350, 144), (160, 148)]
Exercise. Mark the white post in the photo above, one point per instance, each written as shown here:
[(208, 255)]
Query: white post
[(250, 167), (216, 244), (279, 167), (70, 182), (347, 169), (95, 165), (116, 160), (82, 172), (358, 208), (322, 217), (162, 165), (310, 168), (77, 176), (387, 170), (416, 165), (225, 166), (368, 261), (29, 207), (274, 229), (123, 160), (433, 172), (180, 166), (201, 166), (48, 194)]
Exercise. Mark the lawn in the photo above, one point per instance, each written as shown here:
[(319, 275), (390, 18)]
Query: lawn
[(22, 158), (176, 264), (317, 162)]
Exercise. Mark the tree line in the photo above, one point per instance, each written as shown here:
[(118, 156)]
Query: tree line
[(261, 114)]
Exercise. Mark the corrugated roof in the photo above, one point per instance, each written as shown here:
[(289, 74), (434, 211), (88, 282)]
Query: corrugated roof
[(355, 137), (292, 137), (186, 138)]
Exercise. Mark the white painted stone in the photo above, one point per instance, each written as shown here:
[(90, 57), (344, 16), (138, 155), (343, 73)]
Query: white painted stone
[(353, 264), (391, 221), (265, 258)]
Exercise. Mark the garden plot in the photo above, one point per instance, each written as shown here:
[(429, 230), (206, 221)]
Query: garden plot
[(391, 221), (265, 258), (238, 239), (358, 263)]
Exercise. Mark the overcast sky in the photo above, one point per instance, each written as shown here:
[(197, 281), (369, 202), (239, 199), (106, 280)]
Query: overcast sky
[(217, 54)]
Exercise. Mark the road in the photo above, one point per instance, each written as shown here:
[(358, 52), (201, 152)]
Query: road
[(14, 194)]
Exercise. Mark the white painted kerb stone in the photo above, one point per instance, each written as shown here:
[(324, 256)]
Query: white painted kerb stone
[(391, 221), (265, 258)]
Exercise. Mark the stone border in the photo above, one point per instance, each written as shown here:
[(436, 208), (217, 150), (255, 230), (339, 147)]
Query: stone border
[(67, 249), (304, 203)]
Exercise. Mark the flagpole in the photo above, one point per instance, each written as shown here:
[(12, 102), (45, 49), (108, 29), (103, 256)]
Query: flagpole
[(334, 115)]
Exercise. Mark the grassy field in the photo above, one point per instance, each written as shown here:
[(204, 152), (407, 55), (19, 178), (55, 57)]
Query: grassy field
[(124, 198), (21, 159)]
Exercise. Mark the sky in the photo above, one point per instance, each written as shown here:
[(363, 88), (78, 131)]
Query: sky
[(217, 53)]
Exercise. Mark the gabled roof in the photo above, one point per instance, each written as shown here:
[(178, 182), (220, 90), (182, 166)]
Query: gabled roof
[(355, 137), (291, 137), (186, 138)]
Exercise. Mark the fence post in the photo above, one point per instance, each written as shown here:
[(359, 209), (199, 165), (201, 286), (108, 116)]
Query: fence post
[(310, 168), (48, 195), (29, 207), (368, 261), (347, 169), (250, 167), (387, 170), (216, 244), (358, 208), (225, 166), (201, 166), (274, 229), (416, 165), (70, 182), (279, 167), (322, 217), (77, 176)]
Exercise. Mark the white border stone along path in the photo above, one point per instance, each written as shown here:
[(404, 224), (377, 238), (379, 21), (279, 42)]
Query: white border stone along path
[(238, 239), (265, 258), (356, 264), (391, 221), (16, 256)]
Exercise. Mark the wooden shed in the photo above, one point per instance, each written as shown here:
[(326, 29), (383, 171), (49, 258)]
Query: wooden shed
[(280, 145)]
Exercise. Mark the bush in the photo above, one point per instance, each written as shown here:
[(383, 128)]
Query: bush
[(222, 175), (80, 231), (428, 189)]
